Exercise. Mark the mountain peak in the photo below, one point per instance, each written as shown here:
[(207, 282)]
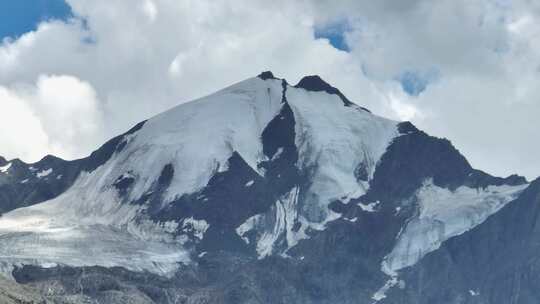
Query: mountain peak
[(49, 158), (316, 84), (263, 169), (313, 83), (266, 75)]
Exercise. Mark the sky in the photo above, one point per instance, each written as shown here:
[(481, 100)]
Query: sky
[(76, 73)]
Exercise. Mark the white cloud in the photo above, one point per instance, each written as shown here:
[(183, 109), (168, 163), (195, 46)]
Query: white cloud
[(50, 117), (22, 132), (487, 56), (150, 10), (69, 111), (128, 62), (403, 110)]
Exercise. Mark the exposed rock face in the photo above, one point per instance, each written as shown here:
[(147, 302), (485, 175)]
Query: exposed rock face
[(14, 293), (268, 193)]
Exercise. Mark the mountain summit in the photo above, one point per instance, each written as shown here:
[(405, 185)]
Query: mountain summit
[(265, 192)]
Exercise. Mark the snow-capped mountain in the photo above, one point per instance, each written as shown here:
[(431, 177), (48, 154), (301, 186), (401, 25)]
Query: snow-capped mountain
[(264, 192)]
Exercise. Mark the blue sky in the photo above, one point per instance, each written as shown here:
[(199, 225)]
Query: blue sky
[(414, 82), (335, 33), (21, 16)]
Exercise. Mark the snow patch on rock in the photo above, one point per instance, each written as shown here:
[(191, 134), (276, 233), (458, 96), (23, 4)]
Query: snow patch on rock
[(44, 173), (371, 207), (381, 293), (197, 227), (5, 168), (474, 293), (443, 214), (274, 231)]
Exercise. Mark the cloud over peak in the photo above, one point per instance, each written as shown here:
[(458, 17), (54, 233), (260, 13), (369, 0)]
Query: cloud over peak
[(115, 63), (50, 116)]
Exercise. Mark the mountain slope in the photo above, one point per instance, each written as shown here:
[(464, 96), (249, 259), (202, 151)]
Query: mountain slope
[(262, 192)]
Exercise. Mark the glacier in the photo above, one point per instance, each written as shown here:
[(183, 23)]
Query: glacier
[(196, 139), (105, 218), (444, 213), (91, 223), (333, 142)]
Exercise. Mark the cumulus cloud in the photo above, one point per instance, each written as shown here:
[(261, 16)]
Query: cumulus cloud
[(485, 56), (22, 131), (50, 117), (471, 67)]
